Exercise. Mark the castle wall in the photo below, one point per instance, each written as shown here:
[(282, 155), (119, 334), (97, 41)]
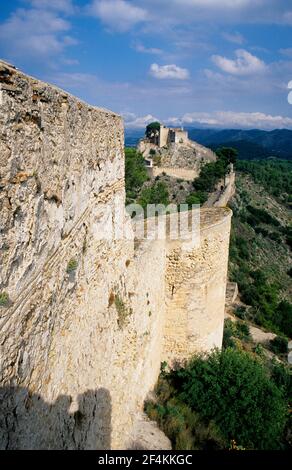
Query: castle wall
[(183, 173), (79, 349), (181, 137), (163, 136), (195, 289), (81, 334), (228, 191)]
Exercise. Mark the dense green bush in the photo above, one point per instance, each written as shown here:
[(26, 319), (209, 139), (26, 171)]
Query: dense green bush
[(283, 317), (234, 390), (213, 172), (234, 329), (279, 345), (157, 193), (228, 334), (282, 376), (198, 197)]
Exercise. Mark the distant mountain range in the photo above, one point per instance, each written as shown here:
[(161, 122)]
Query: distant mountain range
[(251, 144)]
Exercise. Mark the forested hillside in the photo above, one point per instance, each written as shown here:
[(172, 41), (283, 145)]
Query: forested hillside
[(261, 241)]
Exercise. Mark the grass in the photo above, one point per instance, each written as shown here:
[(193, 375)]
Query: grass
[(72, 265), (4, 299), (122, 310)]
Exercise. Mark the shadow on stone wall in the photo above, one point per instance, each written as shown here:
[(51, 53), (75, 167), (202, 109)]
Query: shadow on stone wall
[(28, 422)]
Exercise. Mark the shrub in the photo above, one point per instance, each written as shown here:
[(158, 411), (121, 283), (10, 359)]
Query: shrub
[(283, 317), (228, 334), (279, 345), (282, 376), (242, 331), (234, 389), (155, 194), (4, 299), (72, 265), (210, 174), (196, 198), (241, 312)]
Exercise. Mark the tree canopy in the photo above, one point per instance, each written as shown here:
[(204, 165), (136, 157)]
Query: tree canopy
[(152, 127)]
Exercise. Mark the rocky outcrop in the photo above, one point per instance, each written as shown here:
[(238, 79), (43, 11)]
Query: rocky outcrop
[(182, 160)]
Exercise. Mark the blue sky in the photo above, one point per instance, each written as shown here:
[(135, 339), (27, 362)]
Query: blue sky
[(222, 63)]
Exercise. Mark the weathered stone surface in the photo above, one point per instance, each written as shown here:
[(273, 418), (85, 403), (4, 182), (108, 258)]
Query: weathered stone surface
[(188, 155), (195, 289), (81, 336), (147, 436)]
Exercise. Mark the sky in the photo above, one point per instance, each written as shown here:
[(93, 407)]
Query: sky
[(214, 63)]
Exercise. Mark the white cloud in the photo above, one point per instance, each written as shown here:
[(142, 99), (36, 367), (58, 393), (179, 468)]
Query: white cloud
[(119, 15), (169, 72), (217, 119), (35, 33), (235, 38), (147, 50), (244, 64), (230, 119), (132, 121), (287, 17), (286, 52), (65, 6), (219, 4)]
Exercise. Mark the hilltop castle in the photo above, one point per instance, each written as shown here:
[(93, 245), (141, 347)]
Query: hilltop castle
[(168, 135), (86, 320)]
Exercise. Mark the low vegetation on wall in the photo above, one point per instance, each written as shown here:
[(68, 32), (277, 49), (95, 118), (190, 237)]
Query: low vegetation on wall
[(234, 399)]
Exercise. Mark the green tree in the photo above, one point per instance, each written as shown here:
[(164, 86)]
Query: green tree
[(153, 127), (283, 317), (228, 154), (155, 194), (196, 198), (135, 173)]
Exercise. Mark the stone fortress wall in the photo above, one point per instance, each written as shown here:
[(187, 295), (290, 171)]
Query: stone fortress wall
[(88, 319), (180, 173)]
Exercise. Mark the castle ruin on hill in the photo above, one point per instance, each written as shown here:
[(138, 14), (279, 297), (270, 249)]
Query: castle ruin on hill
[(86, 320), (168, 135)]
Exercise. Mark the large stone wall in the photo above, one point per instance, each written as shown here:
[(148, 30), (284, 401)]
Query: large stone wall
[(228, 190), (73, 374), (81, 334), (195, 289), (180, 173)]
